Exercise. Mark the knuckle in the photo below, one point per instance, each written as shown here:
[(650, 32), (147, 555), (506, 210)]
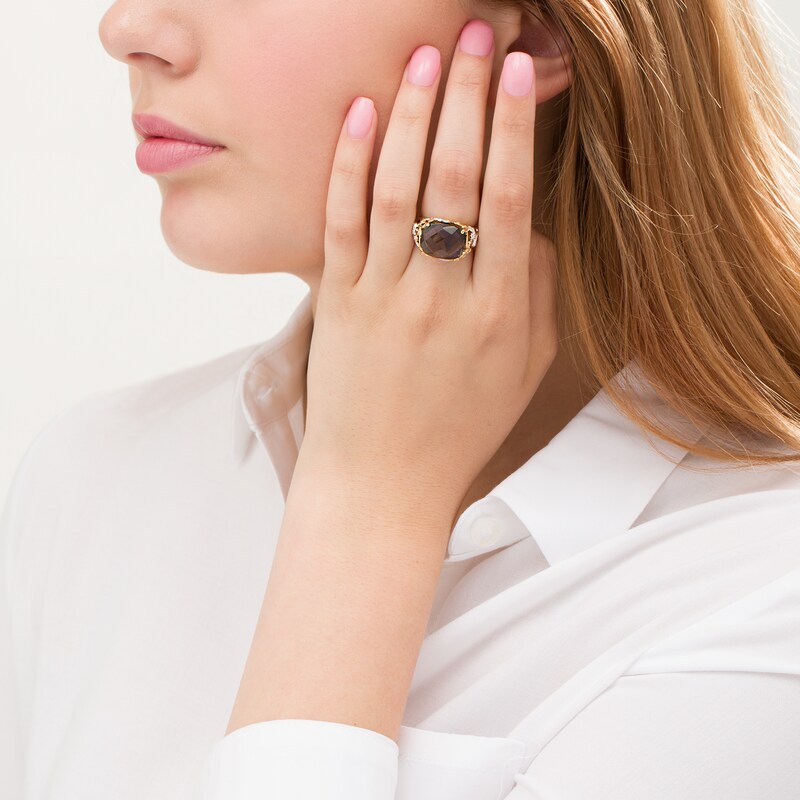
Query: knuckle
[(510, 197), (410, 117), (517, 124), (497, 316), (347, 168), (455, 171), (391, 201), (470, 81), (341, 230)]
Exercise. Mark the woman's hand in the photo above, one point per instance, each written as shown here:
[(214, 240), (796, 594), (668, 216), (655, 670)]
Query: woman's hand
[(421, 367), (418, 370)]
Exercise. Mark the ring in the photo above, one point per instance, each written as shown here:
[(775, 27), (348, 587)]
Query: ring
[(443, 238)]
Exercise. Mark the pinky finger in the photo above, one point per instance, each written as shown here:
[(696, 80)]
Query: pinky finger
[(346, 222)]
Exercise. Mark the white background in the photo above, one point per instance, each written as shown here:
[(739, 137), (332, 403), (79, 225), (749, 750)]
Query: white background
[(91, 298)]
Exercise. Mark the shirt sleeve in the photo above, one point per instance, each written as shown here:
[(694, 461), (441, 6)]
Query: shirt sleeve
[(301, 759), (713, 711)]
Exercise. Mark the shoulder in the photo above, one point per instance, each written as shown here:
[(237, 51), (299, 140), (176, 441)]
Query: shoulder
[(707, 488), (77, 447), (164, 395)]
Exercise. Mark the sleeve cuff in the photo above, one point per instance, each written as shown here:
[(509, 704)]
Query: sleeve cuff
[(301, 759)]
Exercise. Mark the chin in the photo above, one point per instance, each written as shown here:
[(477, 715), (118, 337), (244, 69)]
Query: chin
[(209, 233), (217, 248), (197, 246), (199, 235)]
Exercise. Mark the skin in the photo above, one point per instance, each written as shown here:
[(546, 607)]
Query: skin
[(255, 77), (213, 68)]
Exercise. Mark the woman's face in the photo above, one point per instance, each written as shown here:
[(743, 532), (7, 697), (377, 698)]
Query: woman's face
[(272, 81)]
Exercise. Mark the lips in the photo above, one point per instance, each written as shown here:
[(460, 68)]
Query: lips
[(149, 126)]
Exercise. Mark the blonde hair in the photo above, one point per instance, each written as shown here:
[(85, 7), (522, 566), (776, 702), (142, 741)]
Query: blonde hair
[(674, 211)]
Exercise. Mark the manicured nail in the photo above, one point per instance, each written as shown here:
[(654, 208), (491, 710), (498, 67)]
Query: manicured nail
[(517, 77), (424, 65), (359, 118), (477, 38)]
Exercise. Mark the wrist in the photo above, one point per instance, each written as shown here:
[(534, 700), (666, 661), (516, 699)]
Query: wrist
[(385, 491)]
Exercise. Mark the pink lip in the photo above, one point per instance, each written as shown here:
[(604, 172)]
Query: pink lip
[(168, 146), (163, 155), (150, 125)]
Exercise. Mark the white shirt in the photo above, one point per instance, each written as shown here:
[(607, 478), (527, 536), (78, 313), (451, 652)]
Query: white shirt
[(607, 625)]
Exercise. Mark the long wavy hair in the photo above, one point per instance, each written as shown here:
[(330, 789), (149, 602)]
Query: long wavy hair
[(674, 211)]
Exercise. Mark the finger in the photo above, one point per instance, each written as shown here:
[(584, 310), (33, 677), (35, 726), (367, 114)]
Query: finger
[(502, 256), (453, 186), (346, 235), (399, 173)]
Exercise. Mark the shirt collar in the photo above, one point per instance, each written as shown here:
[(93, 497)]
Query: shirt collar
[(590, 482), (269, 386)]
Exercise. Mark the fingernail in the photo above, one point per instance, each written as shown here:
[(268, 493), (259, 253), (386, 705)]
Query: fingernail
[(424, 65), (477, 38), (359, 119), (517, 77)]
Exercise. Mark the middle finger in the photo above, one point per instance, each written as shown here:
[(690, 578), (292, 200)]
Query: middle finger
[(452, 190)]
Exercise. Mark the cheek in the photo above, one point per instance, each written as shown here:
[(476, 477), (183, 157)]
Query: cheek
[(286, 94)]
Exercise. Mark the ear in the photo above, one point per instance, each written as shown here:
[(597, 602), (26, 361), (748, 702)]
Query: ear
[(519, 30)]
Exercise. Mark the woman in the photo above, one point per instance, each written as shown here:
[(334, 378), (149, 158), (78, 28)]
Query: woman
[(511, 509)]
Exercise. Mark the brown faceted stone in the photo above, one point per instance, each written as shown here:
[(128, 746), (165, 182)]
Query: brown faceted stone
[(440, 240)]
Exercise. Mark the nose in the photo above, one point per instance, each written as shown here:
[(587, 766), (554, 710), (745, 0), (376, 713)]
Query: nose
[(150, 35)]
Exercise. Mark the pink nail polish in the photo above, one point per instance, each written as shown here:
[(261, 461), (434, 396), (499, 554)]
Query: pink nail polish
[(359, 120), (517, 76), (424, 65), (476, 38)]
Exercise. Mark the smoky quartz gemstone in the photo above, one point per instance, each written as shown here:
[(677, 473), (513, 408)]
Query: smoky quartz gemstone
[(443, 240)]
